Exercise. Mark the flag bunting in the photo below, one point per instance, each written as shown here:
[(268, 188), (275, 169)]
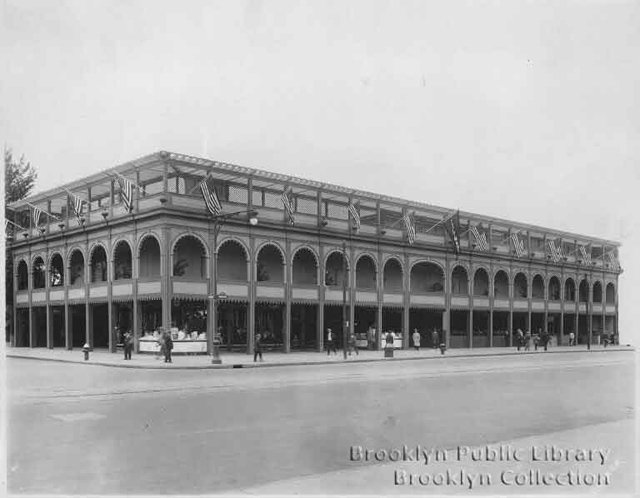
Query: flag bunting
[(210, 196), (287, 202), (481, 239), (410, 226), (518, 244), (586, 255), (355, 215), (452, 226)]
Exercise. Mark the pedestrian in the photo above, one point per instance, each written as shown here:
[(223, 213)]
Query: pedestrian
[(168, 346), (389, 340), (435, 340), (257, 348), (161, 347), (544, 339), (416, 339), (527, 341), (572, 339), (536, 339), (353, 345), (128, 345), (519, 339), (331, 346)]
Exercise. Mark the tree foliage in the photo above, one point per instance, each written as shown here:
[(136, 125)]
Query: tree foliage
[(19, 177)]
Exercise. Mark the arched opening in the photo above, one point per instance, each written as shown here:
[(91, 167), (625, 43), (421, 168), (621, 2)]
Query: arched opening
[(366, 273), (122, 267), (501, 285), (76, 268), (520, 286), (189, 258), (460, 281), (583, 291), (611, 293), (270, 265), (23, 276), (597, 292), (57, 271), (333, 270), (570, 290), (426, 277), (305, 268), (99, 265), (481, 283), (39, 273), (554, 289), (150, 258), (392, 280), (232, 262), (537, 287)]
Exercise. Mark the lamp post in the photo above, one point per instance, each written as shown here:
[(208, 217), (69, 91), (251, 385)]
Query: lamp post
[(213, 343), (344, 299)]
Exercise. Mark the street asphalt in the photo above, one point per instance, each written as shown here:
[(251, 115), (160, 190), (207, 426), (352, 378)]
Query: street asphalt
[(79, 429)]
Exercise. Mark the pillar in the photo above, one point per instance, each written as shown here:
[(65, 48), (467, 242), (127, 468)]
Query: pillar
[(251, 332), (165, 280), (68, 325), (491, 326), (288, 278), (48, 311)]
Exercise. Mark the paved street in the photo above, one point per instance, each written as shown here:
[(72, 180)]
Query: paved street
[(82, 429)]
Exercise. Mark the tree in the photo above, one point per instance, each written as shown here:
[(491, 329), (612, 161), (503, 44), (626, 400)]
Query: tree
[(19, 179)]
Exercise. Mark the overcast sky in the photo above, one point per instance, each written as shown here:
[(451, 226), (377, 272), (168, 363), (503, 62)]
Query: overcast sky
[(522, 110)]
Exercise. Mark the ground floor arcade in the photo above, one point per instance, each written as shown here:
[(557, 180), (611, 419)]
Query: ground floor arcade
[(299, 326)]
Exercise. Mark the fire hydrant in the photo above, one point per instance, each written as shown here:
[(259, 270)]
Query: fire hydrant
[(85, 350), (443, 348)]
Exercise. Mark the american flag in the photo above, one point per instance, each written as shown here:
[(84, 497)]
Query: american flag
[(556, 252), (613, 260), (37, 213), (518, 244), (77, 207), (586, 256), (481, 239), (355, 215), (452, 225), (126, 192), (210, 196), (411, 228), (287, 202)]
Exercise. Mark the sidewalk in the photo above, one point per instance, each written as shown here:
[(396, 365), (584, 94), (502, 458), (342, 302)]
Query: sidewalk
[(272, 359)]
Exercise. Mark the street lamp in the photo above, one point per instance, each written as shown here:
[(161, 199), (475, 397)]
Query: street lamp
[(344, 299), (213, 344)]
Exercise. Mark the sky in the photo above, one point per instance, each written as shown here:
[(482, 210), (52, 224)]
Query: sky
[(528, 111)]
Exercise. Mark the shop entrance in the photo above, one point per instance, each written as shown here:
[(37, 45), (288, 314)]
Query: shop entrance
[(270, 324), (232, 325), (426, 321), (500, 329), (304, 326), (100, 325), (459, 329), (78, 325), (57, 322)]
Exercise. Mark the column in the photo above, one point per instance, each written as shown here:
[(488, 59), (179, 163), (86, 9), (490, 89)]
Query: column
[(165, 279), (251, 333), (49, 311), (287, 296), (470, 320), (113, 339), (446, 315), (491, 325), (321, 288), (406, 299), (510, 312), (68, 329)]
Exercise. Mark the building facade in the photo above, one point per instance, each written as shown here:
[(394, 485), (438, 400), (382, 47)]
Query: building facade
[(155, 257)]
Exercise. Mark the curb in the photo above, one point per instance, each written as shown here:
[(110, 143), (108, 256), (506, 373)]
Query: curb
[(305, 363)]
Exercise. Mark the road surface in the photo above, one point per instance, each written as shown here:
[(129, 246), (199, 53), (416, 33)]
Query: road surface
[(79, 429)]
